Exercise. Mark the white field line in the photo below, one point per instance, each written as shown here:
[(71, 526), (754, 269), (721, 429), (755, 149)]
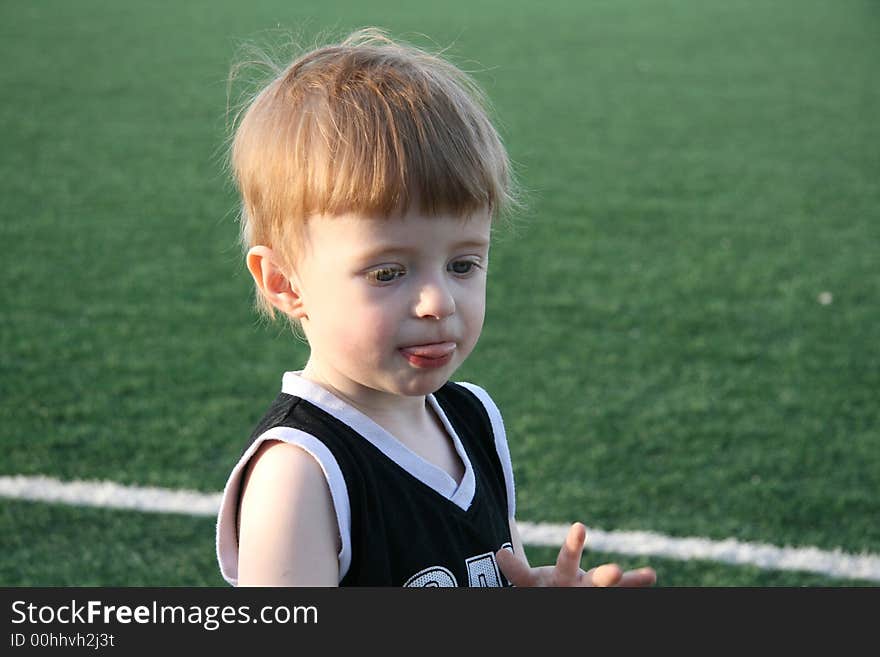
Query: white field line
[(770, 557)]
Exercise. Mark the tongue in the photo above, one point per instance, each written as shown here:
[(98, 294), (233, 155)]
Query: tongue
[(430, 350)]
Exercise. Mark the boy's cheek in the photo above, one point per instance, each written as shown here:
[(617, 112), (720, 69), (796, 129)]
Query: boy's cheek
[(364, 327)]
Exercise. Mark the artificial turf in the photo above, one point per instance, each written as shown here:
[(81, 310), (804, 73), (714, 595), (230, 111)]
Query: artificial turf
[(682, 329)]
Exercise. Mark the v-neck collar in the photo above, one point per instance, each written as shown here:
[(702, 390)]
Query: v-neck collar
[(459, 493)]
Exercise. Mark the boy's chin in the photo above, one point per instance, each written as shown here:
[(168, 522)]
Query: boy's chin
[(425, 383)]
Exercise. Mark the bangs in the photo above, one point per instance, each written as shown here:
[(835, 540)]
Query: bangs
[(369, 127), (383, 137)]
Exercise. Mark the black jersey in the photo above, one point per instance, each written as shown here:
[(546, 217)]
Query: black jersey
[(402, 521)]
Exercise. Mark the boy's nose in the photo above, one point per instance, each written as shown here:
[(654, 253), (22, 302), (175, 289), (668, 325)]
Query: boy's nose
[(435, 301)]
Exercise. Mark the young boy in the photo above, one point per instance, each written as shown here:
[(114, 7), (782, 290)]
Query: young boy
[(370, 176)]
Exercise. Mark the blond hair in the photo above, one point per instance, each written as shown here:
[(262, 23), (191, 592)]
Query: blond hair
[(369, 126)]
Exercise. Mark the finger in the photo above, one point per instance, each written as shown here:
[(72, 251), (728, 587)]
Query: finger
[(608, 574), (568, 562), (640, 577), (515, 569)]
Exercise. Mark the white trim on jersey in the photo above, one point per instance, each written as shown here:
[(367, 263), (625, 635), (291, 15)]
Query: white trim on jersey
[(461, 494), (227, 533), (500, 443)]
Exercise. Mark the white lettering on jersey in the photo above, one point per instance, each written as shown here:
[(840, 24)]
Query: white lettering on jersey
[(434, 576), (482, 572)]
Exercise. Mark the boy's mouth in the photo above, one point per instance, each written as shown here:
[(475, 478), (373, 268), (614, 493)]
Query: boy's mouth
[(437, 354)]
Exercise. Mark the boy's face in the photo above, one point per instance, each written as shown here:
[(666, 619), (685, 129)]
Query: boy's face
[(392, 305)]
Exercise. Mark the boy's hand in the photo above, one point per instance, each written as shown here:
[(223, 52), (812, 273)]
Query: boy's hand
[(567, 571)]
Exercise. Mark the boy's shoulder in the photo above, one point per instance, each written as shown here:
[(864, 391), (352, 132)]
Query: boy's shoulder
[(479, 392), (478, 401)]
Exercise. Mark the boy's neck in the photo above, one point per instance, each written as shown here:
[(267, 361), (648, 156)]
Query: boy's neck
[(408, 419), (386, 409)]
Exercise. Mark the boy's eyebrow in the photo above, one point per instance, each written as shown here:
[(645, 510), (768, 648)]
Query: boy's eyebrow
[(383, 249), (472, 243)]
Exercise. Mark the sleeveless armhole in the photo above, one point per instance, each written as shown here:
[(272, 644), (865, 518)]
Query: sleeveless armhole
[(500, 443), (227, 533)]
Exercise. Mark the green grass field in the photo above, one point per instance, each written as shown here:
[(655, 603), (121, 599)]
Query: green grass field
[(702, 175)]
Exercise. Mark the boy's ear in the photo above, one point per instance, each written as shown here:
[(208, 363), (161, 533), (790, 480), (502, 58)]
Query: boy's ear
[(274, 284)]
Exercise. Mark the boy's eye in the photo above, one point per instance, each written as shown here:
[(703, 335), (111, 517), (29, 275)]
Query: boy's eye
[(385, 274), (463, 267)]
